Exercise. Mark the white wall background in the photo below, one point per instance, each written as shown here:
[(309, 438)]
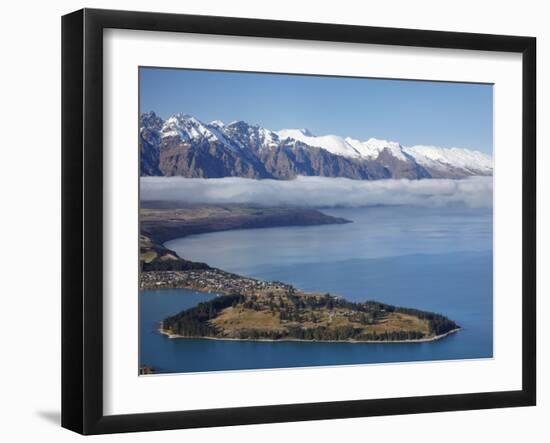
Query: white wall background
[(30, 187)]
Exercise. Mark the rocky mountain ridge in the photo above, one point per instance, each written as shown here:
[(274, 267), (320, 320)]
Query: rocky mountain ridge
[(184, 146)]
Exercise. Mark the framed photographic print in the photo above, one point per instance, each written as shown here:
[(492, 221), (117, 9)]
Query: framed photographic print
[(269, 221)]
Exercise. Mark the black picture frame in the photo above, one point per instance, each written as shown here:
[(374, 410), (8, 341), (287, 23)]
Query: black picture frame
[(82, 218)]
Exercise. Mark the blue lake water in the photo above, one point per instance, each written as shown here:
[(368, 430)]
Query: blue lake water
[(436, 259)]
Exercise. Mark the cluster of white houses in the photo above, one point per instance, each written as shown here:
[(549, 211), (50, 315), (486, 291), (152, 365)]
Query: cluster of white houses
[(213, 280)]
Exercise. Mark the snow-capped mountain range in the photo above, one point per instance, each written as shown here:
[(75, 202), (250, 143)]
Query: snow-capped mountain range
[(182, 145)]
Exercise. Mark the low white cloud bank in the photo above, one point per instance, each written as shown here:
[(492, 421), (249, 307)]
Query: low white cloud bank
[(473, 192)]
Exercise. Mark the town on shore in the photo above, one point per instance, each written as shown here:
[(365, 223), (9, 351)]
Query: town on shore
[(208, 280)]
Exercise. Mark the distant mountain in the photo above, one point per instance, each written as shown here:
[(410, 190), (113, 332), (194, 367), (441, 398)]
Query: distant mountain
[(451, 162), (184, 146), (150, 126)]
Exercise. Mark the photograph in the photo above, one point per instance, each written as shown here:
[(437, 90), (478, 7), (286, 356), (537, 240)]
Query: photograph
[(290, 221)]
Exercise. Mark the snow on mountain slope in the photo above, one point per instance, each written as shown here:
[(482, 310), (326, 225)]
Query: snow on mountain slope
[(189, 129), (348, 147), (442, 159), (372, 148), (217, 124), (251, 136), (332, 143)]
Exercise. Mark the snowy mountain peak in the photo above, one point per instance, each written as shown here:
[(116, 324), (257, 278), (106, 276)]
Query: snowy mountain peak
[(373, 147), (251, 136), (183, 117), (442, 159), (189, 128), (305, 132), (268, 138), (178, 124), (382, 144), (237, 123), (150, 121), (217, 124), (331, 143)]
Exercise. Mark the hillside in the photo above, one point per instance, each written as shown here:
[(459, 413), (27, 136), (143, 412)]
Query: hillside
[(155, 257), (164, 221)]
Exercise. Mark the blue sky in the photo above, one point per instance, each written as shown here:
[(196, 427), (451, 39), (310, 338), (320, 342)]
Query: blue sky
[(410, 112)]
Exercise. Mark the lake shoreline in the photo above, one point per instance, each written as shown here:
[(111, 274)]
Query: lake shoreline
[(179, 220), (217, 281), (417, 266), (173, 336)]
